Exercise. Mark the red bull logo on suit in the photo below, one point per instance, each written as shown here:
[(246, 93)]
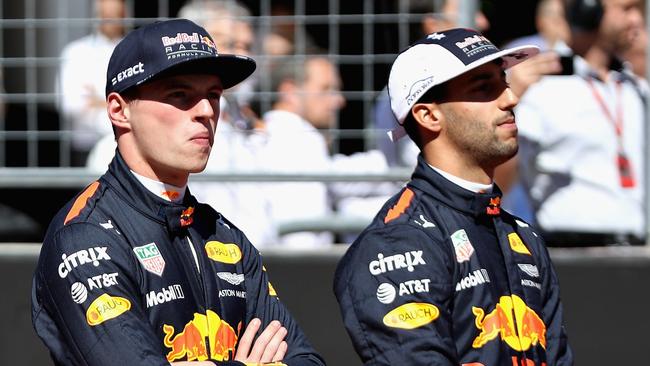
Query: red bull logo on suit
[(512, 321), (204, 337)]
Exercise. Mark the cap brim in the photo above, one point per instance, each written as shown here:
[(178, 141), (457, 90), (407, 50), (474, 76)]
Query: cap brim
[(510, 57), (515, 55), (231, 69)]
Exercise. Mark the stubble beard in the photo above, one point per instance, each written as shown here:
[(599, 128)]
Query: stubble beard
[(480, 142)]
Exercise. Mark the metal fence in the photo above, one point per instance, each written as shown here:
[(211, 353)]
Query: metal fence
[(361, 37)]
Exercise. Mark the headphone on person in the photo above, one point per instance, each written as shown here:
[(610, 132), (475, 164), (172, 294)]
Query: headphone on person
[(584, 15)]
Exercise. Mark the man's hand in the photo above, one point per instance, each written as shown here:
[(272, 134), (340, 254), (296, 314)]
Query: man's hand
[(268, 347), (523, 75)]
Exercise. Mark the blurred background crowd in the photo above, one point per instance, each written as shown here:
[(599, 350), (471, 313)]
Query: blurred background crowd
[(302, 158)]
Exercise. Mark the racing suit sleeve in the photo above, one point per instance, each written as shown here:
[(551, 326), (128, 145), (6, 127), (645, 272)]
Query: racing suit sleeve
[(558, 351), (394, 288), (263, 303), (85, 305)]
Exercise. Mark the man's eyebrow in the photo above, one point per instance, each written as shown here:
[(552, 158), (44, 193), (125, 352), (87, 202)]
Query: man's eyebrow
[(175, 84), (480, 77), (485, 75)]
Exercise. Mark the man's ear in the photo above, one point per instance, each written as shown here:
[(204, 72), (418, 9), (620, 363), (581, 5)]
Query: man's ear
[(290, 95), (287, 87), (428, 116), (118, 111)]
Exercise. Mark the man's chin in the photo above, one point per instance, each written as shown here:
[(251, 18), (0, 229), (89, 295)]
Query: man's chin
[(198, 168), (506, 153)]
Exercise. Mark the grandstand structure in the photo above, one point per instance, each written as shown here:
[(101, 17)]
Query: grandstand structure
[(361, 37)]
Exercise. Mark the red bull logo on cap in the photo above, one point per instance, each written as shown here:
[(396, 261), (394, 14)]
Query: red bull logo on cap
[(205, 337), (206, 40), (180, 38), (511, 320)]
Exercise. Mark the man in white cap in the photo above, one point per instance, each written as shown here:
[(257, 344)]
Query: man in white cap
[(135, 271), (443, 275)]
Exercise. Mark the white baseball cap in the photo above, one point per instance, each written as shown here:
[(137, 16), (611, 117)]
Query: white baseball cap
[(440, 57)]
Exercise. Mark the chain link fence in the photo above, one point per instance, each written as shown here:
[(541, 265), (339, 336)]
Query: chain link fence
[(361, 37)]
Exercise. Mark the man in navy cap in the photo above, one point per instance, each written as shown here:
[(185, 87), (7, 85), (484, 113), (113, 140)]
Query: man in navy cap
[(135, 271), (443, 275)]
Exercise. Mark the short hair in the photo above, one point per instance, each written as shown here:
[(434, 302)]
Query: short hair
[(292, 68), (202, 12)]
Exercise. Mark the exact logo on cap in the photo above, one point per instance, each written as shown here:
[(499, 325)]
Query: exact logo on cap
[(131, 71)]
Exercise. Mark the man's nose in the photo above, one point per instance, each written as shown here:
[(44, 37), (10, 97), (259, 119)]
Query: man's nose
[(508, 99), (204, 109)]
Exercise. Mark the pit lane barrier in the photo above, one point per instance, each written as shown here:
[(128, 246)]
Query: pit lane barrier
[(604, 290)]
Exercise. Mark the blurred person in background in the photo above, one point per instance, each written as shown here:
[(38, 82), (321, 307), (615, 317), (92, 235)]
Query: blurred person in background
[(280, 39), (81, 78), (552, 38), (239, 128), (551, 25), (582, 134), (636, 56), (444, 14), (308, 99), (229, 23), (307, 102)]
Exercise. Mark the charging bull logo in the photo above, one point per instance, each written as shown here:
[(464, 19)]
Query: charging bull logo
[(205, 337), (517, 325)]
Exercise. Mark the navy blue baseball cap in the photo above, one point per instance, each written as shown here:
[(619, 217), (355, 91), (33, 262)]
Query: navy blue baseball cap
[(171, 46)]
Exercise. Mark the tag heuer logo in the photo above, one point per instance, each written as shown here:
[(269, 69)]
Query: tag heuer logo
[(150, 258), (462, 246)]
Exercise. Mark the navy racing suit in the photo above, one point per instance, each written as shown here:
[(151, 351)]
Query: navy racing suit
[(127, 278), (443, 276)]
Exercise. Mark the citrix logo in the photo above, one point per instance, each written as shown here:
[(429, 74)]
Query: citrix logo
[(407, 260), (79, 258)]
